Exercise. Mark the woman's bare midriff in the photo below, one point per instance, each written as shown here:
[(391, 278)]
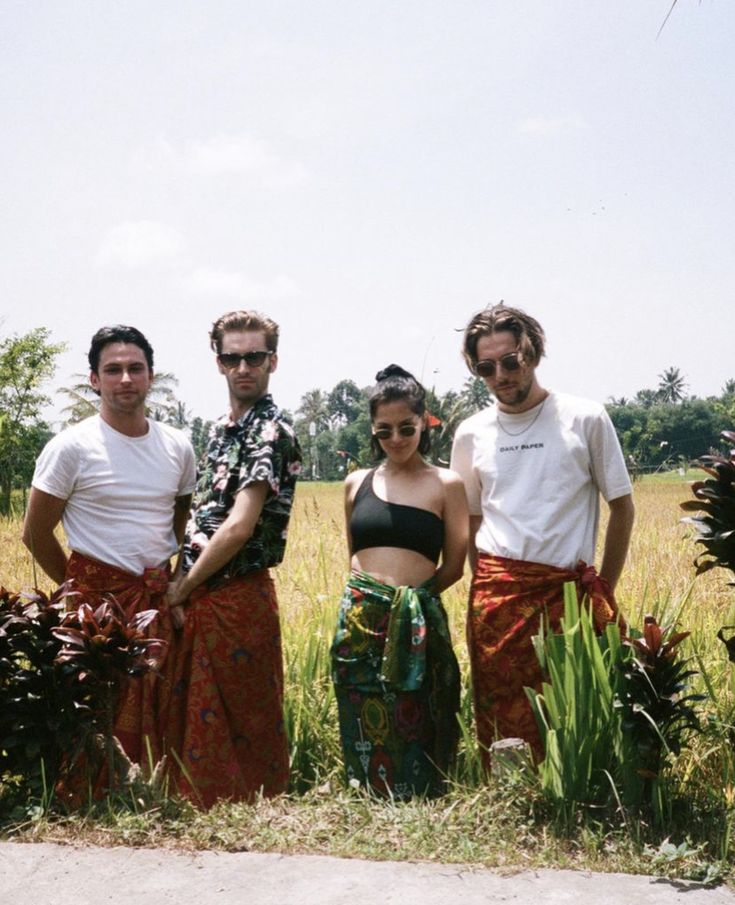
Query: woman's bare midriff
[(394, 565)]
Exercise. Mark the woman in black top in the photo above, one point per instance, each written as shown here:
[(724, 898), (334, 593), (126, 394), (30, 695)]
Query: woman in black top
[(396, 677)]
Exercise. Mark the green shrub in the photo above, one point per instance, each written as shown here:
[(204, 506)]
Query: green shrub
[(612, 714), (39, 714)]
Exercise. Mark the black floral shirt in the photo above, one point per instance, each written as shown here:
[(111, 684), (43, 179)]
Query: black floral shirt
[(260, 446)]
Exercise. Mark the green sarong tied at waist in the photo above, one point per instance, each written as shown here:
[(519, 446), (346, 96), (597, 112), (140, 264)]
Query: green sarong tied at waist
[(397, 686), (385, 636)]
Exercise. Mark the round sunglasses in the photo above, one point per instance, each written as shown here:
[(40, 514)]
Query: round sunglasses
[(385, 433), (510, 362)]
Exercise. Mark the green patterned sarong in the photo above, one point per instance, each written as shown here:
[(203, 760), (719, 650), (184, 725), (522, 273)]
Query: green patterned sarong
[(397, 685)]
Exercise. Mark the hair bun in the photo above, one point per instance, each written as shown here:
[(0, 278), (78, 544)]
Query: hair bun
[(393, 371)]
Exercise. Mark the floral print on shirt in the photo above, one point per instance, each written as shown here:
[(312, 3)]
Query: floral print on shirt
[(260, 446)]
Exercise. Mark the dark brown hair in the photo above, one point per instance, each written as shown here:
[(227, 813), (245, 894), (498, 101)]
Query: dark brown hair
[(120, 333), (498, 318)]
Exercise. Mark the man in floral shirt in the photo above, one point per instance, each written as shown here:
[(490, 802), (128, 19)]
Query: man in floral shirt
[(226, 720)]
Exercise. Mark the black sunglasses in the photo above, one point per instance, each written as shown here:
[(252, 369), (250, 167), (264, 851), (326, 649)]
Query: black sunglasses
[(232, 360), (385, 433), (510, 362)]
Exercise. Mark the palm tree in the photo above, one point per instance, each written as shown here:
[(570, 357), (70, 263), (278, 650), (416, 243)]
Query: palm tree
[(671, 386), (314, 409), (345, 402), (646, 398), (475, 395), (83, 401), (314, 418), (450, 410)]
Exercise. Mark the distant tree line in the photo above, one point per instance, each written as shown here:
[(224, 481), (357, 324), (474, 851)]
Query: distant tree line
[(664, 428), (659, 428), (334, 427)]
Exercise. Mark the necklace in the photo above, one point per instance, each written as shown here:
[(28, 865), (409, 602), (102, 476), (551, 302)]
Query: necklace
[(528, 426)]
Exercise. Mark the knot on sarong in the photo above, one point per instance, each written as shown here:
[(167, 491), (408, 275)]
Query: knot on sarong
[(389, 638), (403, 665), (600, 595), (589, 580), (96, 581)]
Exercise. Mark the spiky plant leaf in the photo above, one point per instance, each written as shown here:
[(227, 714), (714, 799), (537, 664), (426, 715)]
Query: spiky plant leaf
[(715, 508)]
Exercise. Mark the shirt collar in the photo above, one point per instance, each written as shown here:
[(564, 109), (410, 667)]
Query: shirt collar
[(263, 405)]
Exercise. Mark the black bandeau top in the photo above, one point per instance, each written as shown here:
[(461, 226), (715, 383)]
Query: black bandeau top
[(377, 523)]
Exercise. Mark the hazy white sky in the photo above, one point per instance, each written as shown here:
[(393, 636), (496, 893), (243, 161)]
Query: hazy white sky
[(370, 174)]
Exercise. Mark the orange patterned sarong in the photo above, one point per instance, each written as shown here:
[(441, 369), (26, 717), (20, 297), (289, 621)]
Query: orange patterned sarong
[(143, 699), (225, 726), (507, 600)]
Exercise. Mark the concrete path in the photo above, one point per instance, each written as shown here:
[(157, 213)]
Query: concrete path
[(47, 874)]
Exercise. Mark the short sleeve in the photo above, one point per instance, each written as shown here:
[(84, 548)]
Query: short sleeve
[(461, 462), (269, 457), (57, 468), (188, 470)]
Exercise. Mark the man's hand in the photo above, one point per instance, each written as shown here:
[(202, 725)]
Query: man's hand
[(175, 601)]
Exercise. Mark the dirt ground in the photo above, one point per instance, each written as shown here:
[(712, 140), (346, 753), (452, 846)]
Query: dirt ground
[(48, 874)]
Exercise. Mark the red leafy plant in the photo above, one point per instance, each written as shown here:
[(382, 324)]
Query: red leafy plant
[(39, 716), (100, 647), (657, 713), (61, 675)]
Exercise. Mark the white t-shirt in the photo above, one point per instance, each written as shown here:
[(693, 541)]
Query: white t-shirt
[(119, 490), (535, 478)]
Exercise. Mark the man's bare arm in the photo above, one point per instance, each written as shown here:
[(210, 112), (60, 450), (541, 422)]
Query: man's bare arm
[(475, 522), (231, 535), (617, 538), (182, 504), (42, 516)]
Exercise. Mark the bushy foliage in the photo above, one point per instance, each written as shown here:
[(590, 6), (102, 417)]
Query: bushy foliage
[(612, 712), (714, 506), (60, 674), (26, 363), (657, 711), (40, 717), (662, 435)]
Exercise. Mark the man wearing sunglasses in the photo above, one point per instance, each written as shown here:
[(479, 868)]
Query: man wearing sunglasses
[(534, 465), (226, 720)]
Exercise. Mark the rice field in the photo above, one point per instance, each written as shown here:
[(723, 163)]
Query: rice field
[(658, 579)]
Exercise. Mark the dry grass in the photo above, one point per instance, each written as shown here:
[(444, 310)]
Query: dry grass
[(476, 821)]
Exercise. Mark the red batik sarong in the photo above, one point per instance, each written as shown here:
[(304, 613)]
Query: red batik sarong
[(142, 700), (225, 727), (507, 600)]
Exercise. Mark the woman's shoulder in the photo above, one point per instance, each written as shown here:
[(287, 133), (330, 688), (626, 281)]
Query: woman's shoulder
[(355, 479)]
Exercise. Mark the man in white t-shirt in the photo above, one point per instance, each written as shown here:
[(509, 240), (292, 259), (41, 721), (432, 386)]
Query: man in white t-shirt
[(534, 466), (121, 485)]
